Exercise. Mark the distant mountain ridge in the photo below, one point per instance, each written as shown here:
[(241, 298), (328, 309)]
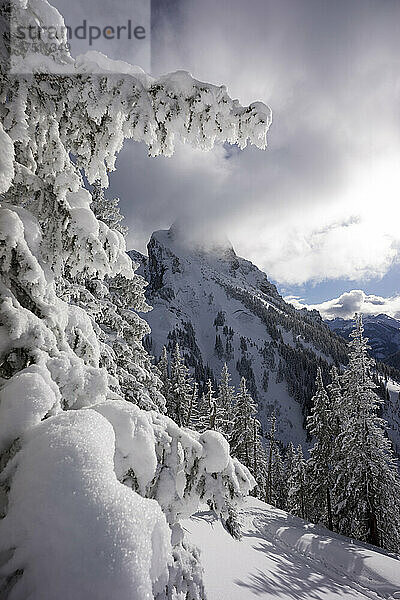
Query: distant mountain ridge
[(383, 332)]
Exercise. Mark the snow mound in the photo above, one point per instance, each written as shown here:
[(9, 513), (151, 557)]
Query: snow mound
[(216, 451), (177, 467), (24, 401), (97, 62), (135, 441), (115, 544)]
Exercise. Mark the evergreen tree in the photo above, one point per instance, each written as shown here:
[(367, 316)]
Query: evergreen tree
[(225, 402), (288, 467), (297, 486), (367, 489), (278, 481), (180, 392), (163, 369), (320, 468), (135, 371), (193, 418), (219, 347), (336, 401), (258, 467), (271, 456), (113, 303), (208, 408), (201, 412), (242, 438), (245, 442), (61, 302)]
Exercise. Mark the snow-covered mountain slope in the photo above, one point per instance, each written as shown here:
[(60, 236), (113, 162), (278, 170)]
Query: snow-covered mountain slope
[(220, 307), (281, 556), (383, 333)]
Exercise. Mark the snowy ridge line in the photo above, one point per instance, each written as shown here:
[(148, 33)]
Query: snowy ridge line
[(305, 553)]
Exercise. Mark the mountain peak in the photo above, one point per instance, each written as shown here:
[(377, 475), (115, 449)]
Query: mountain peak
[(221, 308), (198, 235)]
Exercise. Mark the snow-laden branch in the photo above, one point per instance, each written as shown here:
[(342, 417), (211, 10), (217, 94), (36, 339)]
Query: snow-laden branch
[(99, 102), (99, 107)]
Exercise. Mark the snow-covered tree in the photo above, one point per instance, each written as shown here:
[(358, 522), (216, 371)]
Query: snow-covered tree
[(320, 464), (216, 407), (336, 402), (243, 427), (180, 391), (245, 440), (182, 394), (225, 402), (209, 408), (81, 512), (297, 486), (288, 468), (279, 488), (259, 462), (367, 483), (275, 488), (134, 367), (163, 371), (118, 300), (270, 454), (193, 418)]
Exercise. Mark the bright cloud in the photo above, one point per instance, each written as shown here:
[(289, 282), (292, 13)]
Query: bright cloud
[(323, 201), (354, 236), (346, 305)]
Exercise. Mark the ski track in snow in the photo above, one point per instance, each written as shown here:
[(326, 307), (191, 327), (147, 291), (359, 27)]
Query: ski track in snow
[(283, 557)]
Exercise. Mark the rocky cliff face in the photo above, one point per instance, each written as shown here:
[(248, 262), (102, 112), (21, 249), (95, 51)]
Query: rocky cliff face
[(222, 308)]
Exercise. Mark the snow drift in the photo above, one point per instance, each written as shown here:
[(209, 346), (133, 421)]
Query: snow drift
[(79, 533), (281, 556)]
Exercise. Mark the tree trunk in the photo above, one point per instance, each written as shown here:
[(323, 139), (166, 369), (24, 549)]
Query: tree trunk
[(190, 409), (255, 465), (269, 476), (213, 415), (373, 533), (329, 509)]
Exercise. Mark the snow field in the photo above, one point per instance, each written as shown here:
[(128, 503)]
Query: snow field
[(281, 556)]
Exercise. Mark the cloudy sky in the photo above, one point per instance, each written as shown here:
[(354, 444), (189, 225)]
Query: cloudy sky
[(351, 302), (319, 211)]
